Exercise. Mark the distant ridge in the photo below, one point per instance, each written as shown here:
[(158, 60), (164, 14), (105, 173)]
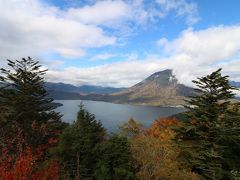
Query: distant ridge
[(236, 84), (84, 89), (159, 89)]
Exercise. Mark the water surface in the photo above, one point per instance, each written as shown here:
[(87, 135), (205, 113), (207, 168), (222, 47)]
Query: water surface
[(112, 115)]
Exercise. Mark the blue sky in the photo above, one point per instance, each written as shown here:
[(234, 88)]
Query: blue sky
[(120, 42)]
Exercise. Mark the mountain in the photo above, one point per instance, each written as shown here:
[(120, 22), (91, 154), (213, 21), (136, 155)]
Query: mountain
[(88, 89), (161, 88), (236, 84), (84, 89)]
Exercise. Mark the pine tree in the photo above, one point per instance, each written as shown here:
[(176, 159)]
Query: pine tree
[(77, 145), (23, 98), (230, 140), (115, 159), (215, 93), (201, 137)]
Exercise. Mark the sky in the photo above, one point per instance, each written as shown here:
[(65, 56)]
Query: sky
[(120, 42)]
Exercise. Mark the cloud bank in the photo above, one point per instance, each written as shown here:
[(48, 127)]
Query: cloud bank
[(191, 55), (34, 28)]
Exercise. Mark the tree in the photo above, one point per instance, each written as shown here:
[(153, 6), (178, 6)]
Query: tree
[(213, 99), (27, 166), (114, 159), (156, 155), (77, 145), (230, 140), (161, 128), (131, 128), (23, 99), (202, 136), (25, 162)]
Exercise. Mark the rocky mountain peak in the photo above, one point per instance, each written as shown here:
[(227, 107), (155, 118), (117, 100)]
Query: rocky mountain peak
[(165, 77), (160, 88)]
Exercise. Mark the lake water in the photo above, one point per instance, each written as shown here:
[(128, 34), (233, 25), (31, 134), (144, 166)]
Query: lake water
[(112, 115)]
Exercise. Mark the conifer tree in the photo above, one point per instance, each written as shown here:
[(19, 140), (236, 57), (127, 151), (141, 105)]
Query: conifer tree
[(201, 137), (77, 145), (230, 140), (23, 98), (215, 93), (115, 159)]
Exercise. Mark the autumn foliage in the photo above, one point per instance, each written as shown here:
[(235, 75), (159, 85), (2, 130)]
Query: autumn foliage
[(161, 128), (26, 166), (29, 126), (154, 152), (24, 162)]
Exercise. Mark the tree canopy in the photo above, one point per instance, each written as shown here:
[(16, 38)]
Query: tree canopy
[(213, 119), (78, 142), (24, 102)]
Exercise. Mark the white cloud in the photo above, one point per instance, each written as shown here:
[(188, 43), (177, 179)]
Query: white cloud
[(196, 53), (103, 56), (162, 42), (101, 13), (210, 45), (130, 56), (70, 52), (29, 27), (193, 54), (53, 64), (120, 74), (182, 9)]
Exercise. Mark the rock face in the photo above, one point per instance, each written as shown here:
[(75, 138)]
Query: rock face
[(161, 88)]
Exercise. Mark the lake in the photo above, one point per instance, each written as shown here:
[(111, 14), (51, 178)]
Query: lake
[(112, 115)]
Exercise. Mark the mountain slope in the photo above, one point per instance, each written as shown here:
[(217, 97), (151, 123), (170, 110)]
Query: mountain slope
[(84, 89), (236, 84), (161, 88)]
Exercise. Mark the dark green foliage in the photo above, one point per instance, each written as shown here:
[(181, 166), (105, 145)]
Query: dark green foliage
[(181, 116), (86, 153), (230, 139), (23, 99), (215, 94), (77, 145), (114, 159), (210, 138)]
